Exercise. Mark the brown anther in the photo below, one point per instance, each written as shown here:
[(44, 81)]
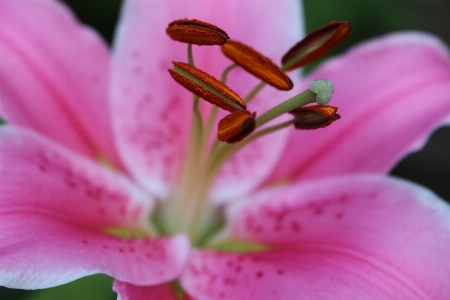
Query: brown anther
[(196, 32), (236, 126), (207, 87), (316, 44), (313, 117), (257, 64)]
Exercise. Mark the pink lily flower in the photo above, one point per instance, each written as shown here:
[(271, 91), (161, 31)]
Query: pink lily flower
[(97, 143)]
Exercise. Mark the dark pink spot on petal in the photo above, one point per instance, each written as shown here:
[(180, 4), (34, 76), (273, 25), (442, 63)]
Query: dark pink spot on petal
[(43, 168), (101, 211), (295, 226), (71, 183), (258, 229), (122, 210), (343, 198), (339, 215)]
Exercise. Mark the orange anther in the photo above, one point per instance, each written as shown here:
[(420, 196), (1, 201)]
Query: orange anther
[(236, 126), (314, 117), (196, 32), (316, 44), (207, 87), (257, 64)]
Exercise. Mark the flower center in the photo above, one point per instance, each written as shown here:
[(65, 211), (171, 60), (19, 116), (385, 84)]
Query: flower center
[(188, 208)]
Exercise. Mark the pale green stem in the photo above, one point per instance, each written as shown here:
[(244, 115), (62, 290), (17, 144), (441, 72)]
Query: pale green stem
[(178, 202), (215, 109), (226, 72), (220, 155), (217, 157), (200, 213), (304, 98), (190, 55), (226, 151), (253, 92)]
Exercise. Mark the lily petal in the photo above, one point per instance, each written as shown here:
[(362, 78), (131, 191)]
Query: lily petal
[(56, 207), (40, 251), (152, 113), (64, 67), (345, 238), (391, 93), (128, 291), (37, 175)]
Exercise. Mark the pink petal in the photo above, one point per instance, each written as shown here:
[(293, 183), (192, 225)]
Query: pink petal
[(152, 113), (54, 209), (345, 238), (53, 76), (40, 251), (391, 93), (127, 291), (37, 175)]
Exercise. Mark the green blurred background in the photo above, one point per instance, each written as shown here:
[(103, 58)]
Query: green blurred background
[(429, 167)]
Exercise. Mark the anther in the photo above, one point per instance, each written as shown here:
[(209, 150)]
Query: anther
[(315, 45), (314, 117), (257, 64), (236, 126), (207, 87), (196, 32)]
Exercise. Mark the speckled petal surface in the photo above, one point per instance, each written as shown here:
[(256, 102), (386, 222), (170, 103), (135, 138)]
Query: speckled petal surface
[(152, 113), (55, 208), (54, 76), (391, 93), (358, 237), (126, 291), (40, 251), (38, 174)]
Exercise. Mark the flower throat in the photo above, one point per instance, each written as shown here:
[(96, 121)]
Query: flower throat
[(188, 208)]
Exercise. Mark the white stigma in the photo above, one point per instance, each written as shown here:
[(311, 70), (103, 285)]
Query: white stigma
[(323, 88)]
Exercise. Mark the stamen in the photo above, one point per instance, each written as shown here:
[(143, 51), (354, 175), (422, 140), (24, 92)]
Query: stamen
[(314, 117), (257, 64), (207, 87), (315, 45), (196, 32), (188, 208), (289, 105), (214, 110), (236, 126), (254, 92)]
